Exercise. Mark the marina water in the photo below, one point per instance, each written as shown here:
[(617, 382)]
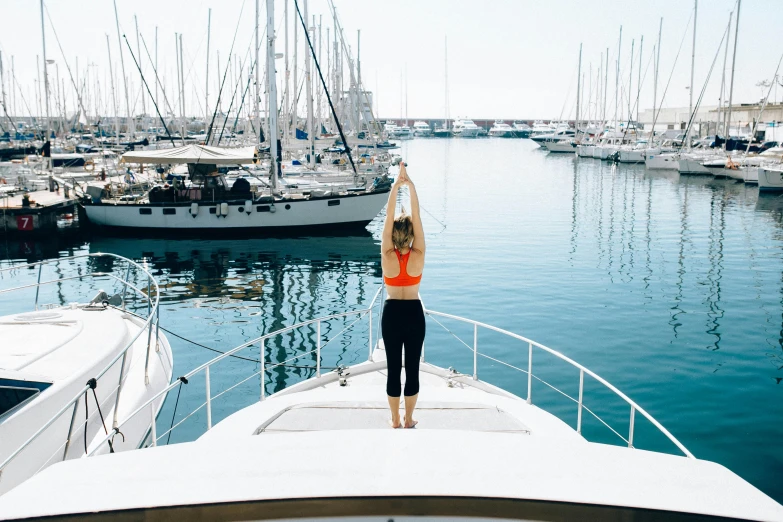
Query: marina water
[(670, 287)]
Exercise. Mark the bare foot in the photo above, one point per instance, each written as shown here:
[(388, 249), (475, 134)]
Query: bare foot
[(411, 423), (393, 425)]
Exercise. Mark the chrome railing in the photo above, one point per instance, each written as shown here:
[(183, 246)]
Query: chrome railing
[(373, 335), (152, 300)]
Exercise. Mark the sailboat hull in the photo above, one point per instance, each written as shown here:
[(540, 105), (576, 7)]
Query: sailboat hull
[(287, 216)]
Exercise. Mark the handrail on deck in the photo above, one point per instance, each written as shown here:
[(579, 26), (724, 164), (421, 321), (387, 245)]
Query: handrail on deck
[(261, 341), (153, 318)]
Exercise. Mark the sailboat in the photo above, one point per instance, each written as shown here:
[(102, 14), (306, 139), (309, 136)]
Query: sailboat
[(205, 203)]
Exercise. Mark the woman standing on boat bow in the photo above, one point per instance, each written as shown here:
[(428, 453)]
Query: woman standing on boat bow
[(402, 324)]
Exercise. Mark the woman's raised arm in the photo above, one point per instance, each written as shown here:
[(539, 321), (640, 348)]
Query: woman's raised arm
[(418, 229), (386, 238)]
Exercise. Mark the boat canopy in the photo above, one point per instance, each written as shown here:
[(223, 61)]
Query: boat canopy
[(198, 154)]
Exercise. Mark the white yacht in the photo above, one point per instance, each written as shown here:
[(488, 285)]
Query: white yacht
[(422, 129), (322, 448), (465, 129), (502, 130), (521, 129), (70, 374), (403, 132), (540, 128)]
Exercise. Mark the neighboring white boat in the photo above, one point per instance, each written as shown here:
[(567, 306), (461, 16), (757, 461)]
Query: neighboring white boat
[(322, 448), (502, 130), (422, 129), (635, 153), (539, 128), (564, 145), (403, 132), (207, 204), (56, 360), (770, 177), (465, 129), (585, 150), (521, 129)]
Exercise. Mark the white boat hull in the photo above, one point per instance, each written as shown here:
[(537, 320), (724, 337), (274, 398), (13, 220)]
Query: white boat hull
[(585, 151), (688, 165), (657, 161), (334, 212), (563, 146), (770, 178)]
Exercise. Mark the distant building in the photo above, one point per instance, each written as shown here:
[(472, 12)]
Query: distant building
[(743, 117)]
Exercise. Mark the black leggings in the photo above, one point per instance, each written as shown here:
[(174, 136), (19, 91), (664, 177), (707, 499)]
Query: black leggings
[(403, 324)]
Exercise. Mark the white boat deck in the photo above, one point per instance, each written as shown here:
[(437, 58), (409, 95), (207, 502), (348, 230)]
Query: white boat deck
[(323, 405)]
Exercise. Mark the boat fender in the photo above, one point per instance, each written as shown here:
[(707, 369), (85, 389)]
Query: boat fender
[(248, 207), (193, 209), (224, 209), (272, 209), (217, 210)]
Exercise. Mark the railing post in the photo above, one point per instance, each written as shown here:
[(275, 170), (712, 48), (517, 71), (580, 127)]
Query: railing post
[(70, 428), (530, 373), (125, 285), (262, 358), (157, 327), (38, 286), (209, 399), (119, 388), (369, 338), (149, 334), (579, 411), (475, 352), (630, 429), (318, 349), (153, 429)]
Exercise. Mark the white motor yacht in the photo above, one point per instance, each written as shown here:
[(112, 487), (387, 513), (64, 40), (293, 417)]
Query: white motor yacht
[(70, 374), (540, 128), (465, 129), (521, 129), (322, 448), (502, 130), (422, 129), (403, 132)]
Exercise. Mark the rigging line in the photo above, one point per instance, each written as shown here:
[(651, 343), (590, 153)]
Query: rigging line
[(67, 65), (155, 70), (234, 95), (704, 88), (225, 74), (257, 361), (326, 90), (671, 73), (149, 92)]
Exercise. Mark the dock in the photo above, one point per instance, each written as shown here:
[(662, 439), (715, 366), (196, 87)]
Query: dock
[(33, 213)]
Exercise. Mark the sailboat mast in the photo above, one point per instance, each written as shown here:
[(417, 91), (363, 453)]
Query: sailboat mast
[(446, 68), (129, 129), (156, 62), (272, 85), (617, 78), (733, 63), (630, 81), (287, 88), (309, 94), (721, 98), (257, 97), (46, 76), (206, 89), (655, 82), (578, 92), (138, 51), (693, 59), (113, 95), (294, 102), (606, 87), (639, 81)]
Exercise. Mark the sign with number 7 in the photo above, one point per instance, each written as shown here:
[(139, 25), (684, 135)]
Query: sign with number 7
[(24, 222)]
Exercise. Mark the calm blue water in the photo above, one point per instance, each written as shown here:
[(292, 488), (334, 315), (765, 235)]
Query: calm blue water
[(669, 287)]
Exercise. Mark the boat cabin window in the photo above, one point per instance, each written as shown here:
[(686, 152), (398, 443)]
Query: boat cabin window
[(15, 393), (169, 211), (145, 211)]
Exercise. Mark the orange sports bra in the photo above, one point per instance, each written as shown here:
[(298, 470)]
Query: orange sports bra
[(403, 279)]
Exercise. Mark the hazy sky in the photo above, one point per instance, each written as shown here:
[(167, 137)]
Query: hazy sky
[(506, 58)]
